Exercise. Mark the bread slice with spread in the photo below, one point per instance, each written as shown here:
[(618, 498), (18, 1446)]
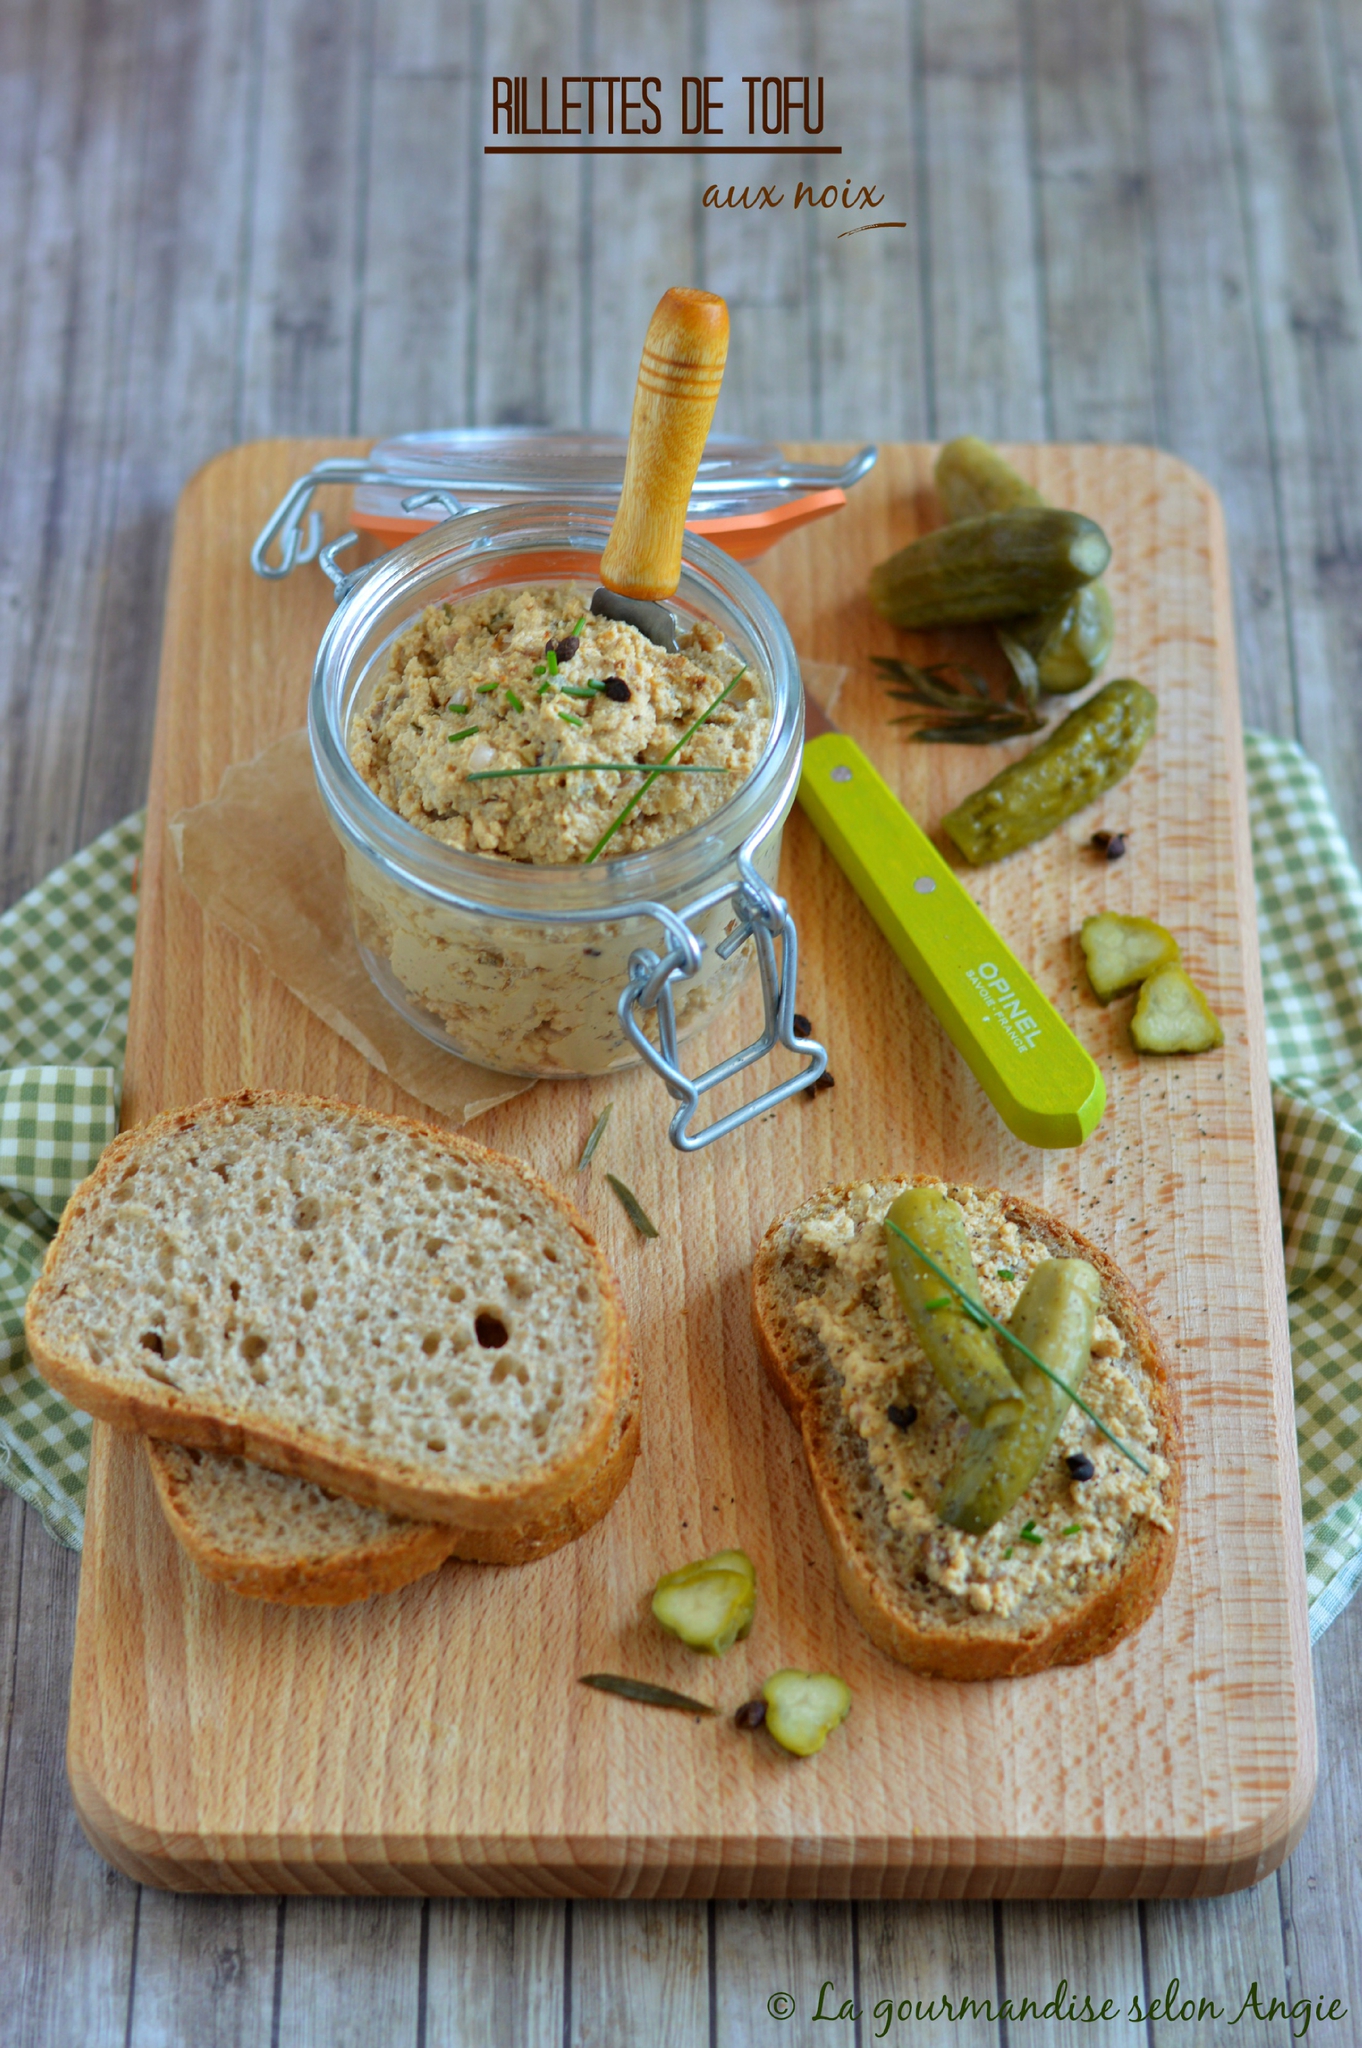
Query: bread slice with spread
[(271, 1537), (373, 1305), (1077, 1562)]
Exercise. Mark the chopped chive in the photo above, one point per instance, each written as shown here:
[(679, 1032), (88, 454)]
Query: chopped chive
[(576, 690), (545, 689), (633, 1208), (906, 1494), (466, 734), (513, 700), (1030, 1534), (597, 1133), (1007, 1553), (551, 661), (568, 719), (943, 1301), (485, 689), (578, 627), (646, 1695), (980, 1314), (541, 670), (613, 767), (1005, 1274), (1074, 1529), (688, 734), (456, 707)]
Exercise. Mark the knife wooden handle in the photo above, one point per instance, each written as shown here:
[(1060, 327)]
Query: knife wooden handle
[(678, 387)]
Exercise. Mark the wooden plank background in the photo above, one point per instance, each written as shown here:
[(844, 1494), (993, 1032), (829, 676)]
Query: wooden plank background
[(222, 218)]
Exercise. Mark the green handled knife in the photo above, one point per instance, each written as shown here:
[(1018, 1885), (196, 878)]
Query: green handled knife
[(1041, 1081)]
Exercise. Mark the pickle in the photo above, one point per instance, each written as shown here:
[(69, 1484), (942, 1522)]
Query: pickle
[(1069, 641), (964, 1357), (803, 1708), (1055, 1317), (994, 567), (1122, 951), (710, 1604), (1172, 1015), (1088, 752)]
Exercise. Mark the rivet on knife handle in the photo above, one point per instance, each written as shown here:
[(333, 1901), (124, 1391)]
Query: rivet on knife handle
[(1043, 1084)]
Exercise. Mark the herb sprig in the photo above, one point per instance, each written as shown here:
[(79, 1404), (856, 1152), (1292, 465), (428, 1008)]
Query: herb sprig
[(594, 1138), (977, 1313), (646, 1695), (613, 827), (633, 1208), (959, 698), (571, 767)]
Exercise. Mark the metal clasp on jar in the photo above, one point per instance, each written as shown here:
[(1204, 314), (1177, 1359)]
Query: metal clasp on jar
[(762, 917)]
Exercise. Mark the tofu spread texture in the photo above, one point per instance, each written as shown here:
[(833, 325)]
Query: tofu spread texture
[(1064, 1535), (502, 680), (482, 668)]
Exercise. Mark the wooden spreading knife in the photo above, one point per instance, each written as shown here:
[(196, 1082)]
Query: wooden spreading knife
[(1042, 1082)]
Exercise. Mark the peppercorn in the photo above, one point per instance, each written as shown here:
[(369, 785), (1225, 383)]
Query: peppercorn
[(1080, 1465), (751, 1714), (802, 1026), (1112, 844), (824, 1080), (902, 1418), (616, 689)]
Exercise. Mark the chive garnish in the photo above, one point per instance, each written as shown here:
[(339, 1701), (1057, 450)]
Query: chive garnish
[(979, 1314), (578, 627), (466, 734), (1007, 1553), (633, 1208), (456, 707), (544, 689), (1005, 1274), (541, 670), (578, 690), (568, 719), (597, 1133), (943, 1301), (551, 661), (614, 767), (646, 1695), (1074, 1529), (485, 689), (1030, 1534), (613, 827), (513, 700)]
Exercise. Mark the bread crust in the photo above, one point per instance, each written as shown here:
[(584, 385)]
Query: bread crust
[(1074, 1634), (204, 1424), (409, 1552)]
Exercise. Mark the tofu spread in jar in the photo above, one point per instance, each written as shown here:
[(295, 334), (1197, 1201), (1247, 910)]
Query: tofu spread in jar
[(517, 679), (1065, 1534), (530, 679)]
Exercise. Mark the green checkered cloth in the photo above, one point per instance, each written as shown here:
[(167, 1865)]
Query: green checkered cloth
[(1310, 928), (66, 967), (65, 976)]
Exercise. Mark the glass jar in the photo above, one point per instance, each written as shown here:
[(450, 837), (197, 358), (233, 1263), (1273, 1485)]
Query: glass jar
[(578, 969)]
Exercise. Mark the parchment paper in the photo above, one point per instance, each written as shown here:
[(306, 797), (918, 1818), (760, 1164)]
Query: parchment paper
[(261, 859)]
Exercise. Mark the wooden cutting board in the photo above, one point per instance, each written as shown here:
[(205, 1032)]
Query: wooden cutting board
[(435, 1740)]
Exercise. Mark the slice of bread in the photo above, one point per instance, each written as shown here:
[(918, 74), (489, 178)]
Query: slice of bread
[(381, 1308), (274, 1538), (1075, 1565)]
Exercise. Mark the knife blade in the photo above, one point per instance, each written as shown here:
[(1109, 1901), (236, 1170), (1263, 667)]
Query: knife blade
[(1045, 1086)]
